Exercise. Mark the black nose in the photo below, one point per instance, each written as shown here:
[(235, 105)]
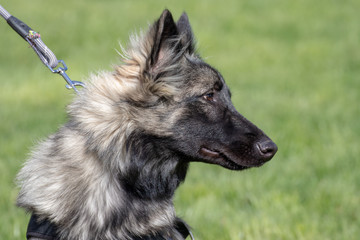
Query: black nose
[(267, 149)]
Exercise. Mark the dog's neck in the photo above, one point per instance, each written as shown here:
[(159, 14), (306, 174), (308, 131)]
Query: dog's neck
[(157, 172), (150, 175)]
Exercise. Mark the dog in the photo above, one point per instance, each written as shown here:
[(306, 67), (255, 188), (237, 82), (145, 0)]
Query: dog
[(110, 172)]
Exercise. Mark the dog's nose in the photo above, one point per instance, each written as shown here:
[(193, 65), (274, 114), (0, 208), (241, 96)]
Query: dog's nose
[(267, 149)]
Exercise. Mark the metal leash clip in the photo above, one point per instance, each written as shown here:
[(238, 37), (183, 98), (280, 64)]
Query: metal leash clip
[(61, 70)]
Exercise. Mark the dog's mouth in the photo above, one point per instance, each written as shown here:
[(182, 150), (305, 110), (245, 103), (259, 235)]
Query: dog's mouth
[(219, 158)]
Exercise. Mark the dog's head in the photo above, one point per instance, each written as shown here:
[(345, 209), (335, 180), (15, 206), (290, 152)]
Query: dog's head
[(183, 99)]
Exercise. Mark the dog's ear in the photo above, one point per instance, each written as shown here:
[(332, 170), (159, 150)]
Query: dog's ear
[(165, 31), (184, 28)]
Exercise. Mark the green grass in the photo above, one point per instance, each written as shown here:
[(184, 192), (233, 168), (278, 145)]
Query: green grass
[(293, 68)]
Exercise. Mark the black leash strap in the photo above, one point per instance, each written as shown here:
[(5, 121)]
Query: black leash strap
[(44, 53)]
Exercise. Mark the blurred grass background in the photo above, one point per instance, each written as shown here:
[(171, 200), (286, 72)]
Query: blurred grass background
[(293, 68)]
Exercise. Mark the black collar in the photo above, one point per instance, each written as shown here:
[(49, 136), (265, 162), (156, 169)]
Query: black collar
[(44, 229)]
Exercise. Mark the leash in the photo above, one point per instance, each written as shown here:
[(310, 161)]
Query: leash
[(44, 53)]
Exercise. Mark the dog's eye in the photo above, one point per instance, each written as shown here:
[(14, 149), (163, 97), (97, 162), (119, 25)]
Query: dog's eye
[(209, 96)]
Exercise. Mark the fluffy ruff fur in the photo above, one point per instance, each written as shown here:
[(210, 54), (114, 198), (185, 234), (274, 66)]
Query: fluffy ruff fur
[(111, 171)]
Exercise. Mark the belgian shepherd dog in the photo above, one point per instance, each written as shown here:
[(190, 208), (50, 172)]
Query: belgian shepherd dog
[(111, 171)]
